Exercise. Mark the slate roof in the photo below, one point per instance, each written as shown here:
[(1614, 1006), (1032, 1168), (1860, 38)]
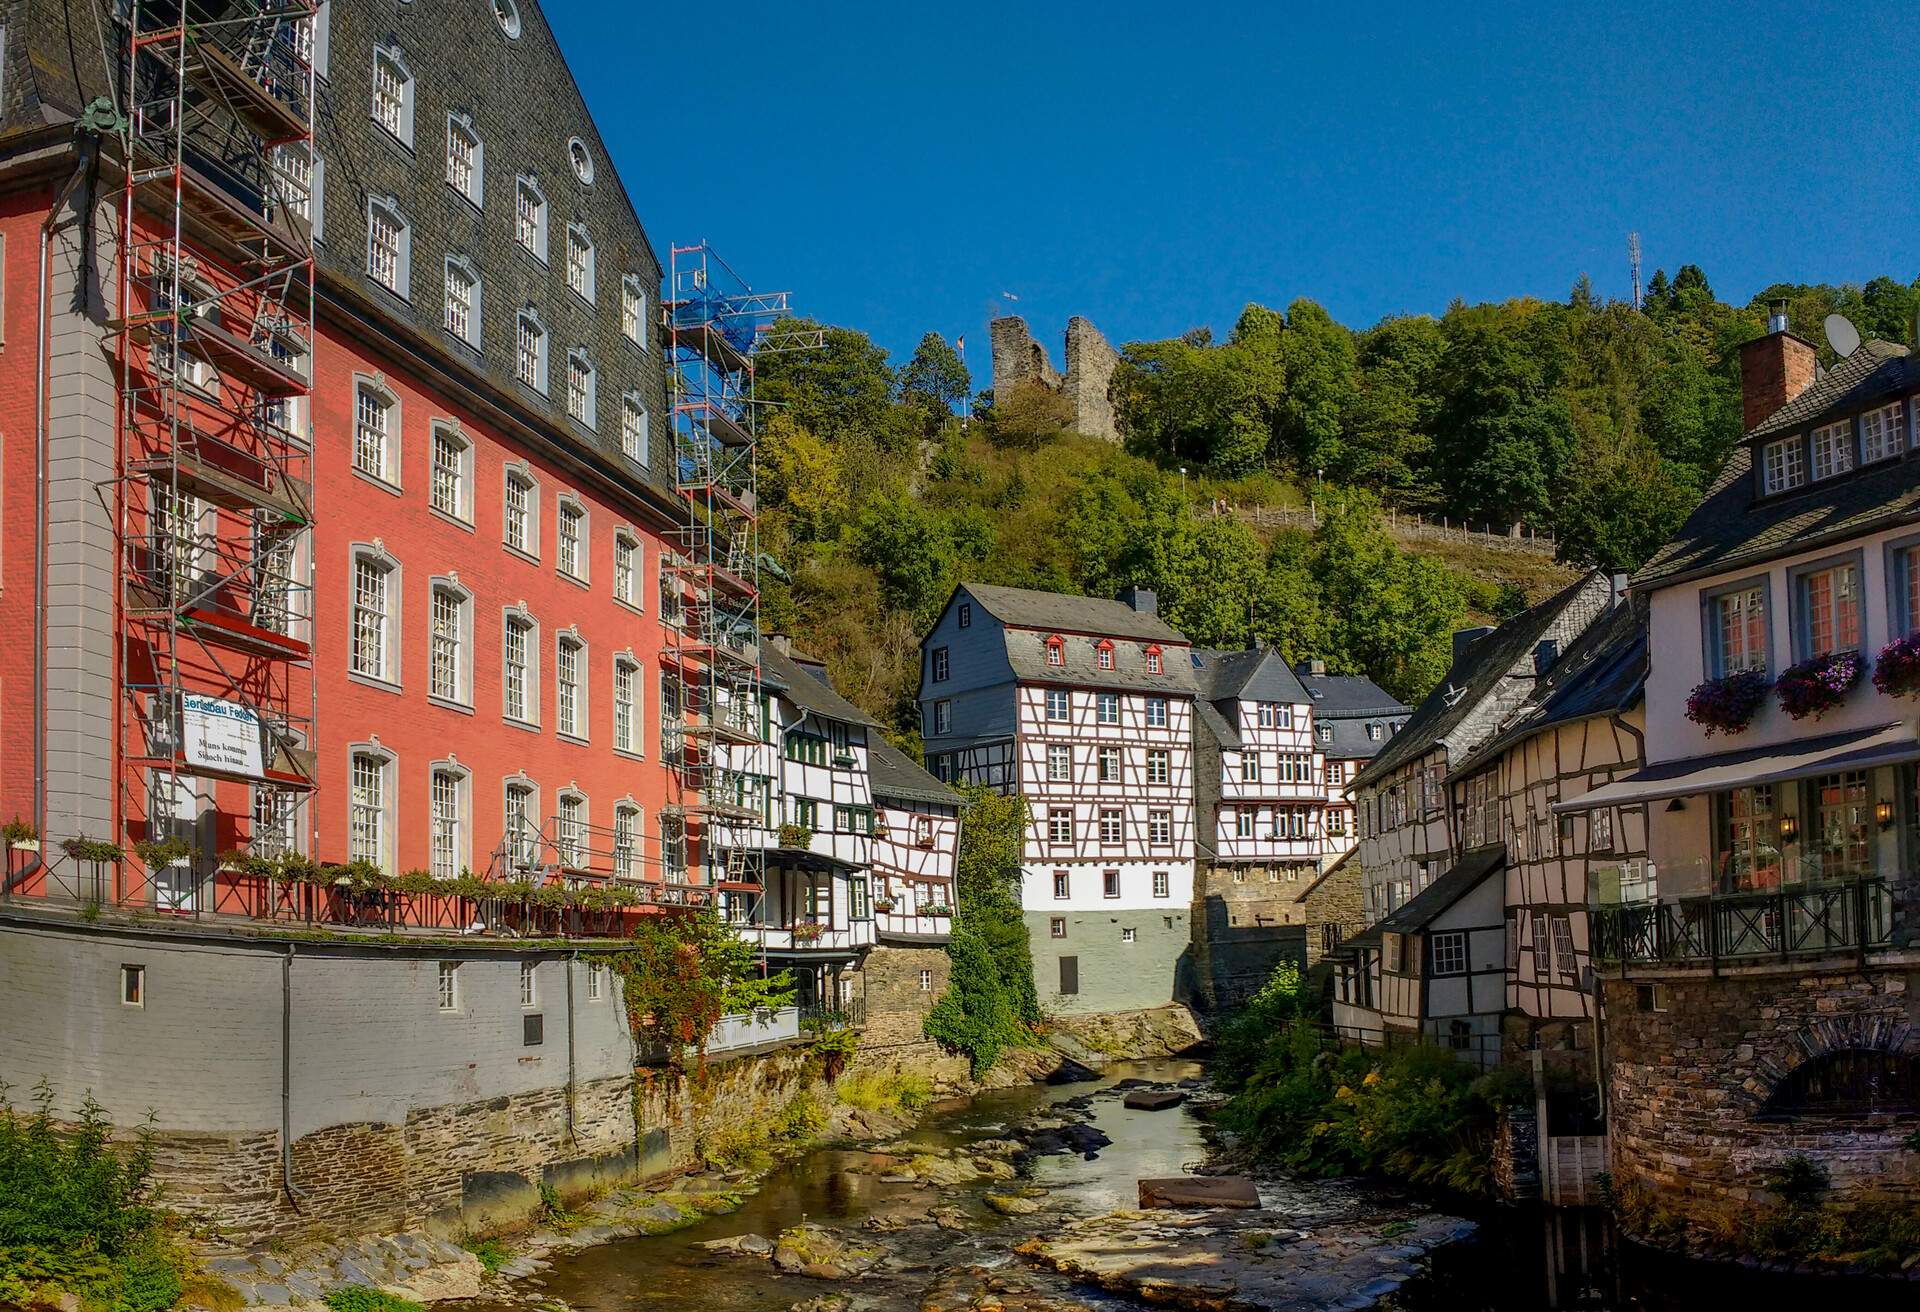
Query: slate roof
[(806, 689), (1254, 675), (1467, 874), (1730, 528), (1476, 675), (892, 773), (1602, 673), (1061, 612), (1346, 704), (1028, 618)]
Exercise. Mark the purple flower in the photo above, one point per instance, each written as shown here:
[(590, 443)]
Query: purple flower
[(1726, 705), (1896, 670), (1816, 686)]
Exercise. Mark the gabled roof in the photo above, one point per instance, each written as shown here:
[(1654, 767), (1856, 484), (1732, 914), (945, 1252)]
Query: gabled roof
[(1349, 695), (892, 773), (1732, 527), (1467, 874), (1602, 673), (1061, 612), (1257, 674), (810, 692), (1491, 668)]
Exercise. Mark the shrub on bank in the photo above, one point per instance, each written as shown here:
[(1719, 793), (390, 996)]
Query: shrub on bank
[(885, 1091), (1415, 1114), (76, 1214)]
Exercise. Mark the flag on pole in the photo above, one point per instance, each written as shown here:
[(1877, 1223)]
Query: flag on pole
[(960, 343)]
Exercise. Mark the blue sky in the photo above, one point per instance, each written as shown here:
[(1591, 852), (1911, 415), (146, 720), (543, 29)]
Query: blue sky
[(1154, 167)]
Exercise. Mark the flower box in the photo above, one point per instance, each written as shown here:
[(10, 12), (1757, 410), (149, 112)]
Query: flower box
[(1816, 686), (807, 931), (1896, 670), (795, 837), (1727, 705)]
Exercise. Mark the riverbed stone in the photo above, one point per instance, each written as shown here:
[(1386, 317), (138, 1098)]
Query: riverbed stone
[(1199, 1191), (1153, 1100), (1012, 1204)]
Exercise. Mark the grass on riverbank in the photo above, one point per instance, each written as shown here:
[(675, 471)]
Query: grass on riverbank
[(896, 1091), (756, 1145)]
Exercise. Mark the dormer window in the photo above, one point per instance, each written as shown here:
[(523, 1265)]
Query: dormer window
[(1832, 449), (1103, 654), (1882, 433), (1154, 664), (1783, 465), (1056, 651)]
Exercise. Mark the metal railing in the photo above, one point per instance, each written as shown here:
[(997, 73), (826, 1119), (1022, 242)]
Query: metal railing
[(818, 1017), (1807, 920)]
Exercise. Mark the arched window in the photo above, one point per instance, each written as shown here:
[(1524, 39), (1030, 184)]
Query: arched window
[(1846, 1082)]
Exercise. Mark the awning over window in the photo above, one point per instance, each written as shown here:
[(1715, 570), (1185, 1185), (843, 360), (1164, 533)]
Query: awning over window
[(1857, 749)]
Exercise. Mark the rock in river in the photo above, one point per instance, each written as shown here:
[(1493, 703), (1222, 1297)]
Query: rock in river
[(1153, 1100), (1199, 1191)]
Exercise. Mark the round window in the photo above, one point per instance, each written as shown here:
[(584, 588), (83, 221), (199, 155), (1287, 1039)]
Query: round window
[(508, 16), (582, 161)]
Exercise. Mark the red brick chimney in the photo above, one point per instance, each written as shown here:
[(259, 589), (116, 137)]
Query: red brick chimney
[(1773, 370)]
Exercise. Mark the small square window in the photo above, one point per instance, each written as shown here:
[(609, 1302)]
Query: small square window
[(1057, 927), (926, 981), (133, 986), (1126, 935)]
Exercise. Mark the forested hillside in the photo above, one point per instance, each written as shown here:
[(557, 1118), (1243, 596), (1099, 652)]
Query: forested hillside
[(1592, 421)]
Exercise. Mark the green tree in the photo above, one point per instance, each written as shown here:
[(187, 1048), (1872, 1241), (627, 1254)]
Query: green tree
[(800, 474), (1389, 614), (1321, 368), (935, 378), (1212, 580), (842, 388)]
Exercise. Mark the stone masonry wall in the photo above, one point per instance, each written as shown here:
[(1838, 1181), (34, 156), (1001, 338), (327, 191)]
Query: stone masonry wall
[(1245, 923), (897, 1010), (1334, 910), (1087, 384), (1686, 1083)]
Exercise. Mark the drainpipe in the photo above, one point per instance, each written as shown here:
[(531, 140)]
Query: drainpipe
[(41, 314), (571, 962), (294, 1192)]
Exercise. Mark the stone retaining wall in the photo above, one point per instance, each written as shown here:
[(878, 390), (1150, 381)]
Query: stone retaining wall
[(1688, 1081), (897, 1006)]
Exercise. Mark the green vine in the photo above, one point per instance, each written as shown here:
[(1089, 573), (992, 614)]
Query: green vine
[(683, 972)]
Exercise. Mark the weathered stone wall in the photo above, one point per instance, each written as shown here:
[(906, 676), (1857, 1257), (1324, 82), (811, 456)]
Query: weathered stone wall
[(1245, 923), (897, 1007), (1334, 910), (677, 1111), (1087, 384), (1686, 1084)]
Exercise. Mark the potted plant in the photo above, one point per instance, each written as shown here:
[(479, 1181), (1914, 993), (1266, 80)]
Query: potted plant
[(807, 931), (1727, 705), (883, 904), (18, 833), (795, 837), (1896, 670), (1816, 686)]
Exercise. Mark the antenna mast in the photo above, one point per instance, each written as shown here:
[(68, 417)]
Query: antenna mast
[(1633, 258)]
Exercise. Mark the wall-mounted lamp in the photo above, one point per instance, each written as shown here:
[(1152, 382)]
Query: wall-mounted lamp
[(1789, 828), (1883, 812), (1677, 804)]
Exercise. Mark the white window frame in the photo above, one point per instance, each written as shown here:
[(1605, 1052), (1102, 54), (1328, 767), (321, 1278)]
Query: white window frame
[(380, 812), (570, 512), (1160, 828), (636, 437), (572, 825), (448, 987), (581, 385), (1156, 712), (1059, 826), (374, 556), (1058, 697), (459, 849), (1059, 763), (570, 714), (1113, 826), (400, 126), (1883, 433), (581, 280), (371, 395), (530, 211), (1832, 450), (529, 331), (460, 130), (1106, 708), (458, 269), (520, 832), (528, 712), (627, 669), (449, 589), (1783, 465), (1447, 951), (442, 438), (629, 563), (633, 311), (522, 477), (529, 985), (384, 210)]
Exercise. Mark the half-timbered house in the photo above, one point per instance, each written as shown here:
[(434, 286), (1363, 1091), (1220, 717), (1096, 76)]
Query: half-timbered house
[(1084, 707)]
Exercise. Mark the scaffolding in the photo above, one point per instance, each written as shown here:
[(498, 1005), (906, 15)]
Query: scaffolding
[(713, 707), (213, 494)]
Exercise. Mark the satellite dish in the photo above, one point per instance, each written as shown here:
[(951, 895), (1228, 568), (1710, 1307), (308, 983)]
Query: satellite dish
[(1842, 336)]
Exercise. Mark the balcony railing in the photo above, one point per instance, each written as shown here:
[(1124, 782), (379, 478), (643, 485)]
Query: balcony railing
[(1804, 920), (817, 1017)]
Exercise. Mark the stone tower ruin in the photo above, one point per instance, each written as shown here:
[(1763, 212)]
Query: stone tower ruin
[(1087, 384)]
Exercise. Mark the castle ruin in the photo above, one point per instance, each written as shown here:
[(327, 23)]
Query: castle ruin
[(1087, 384)]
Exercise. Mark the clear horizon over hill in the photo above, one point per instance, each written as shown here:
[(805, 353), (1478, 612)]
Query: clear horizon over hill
[(903, 168)]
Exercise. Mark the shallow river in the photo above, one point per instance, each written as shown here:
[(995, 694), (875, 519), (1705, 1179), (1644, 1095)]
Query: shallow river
[(1522, 1259)]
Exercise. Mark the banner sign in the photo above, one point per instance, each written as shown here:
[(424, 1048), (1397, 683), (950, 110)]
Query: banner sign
[(222, 736)]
